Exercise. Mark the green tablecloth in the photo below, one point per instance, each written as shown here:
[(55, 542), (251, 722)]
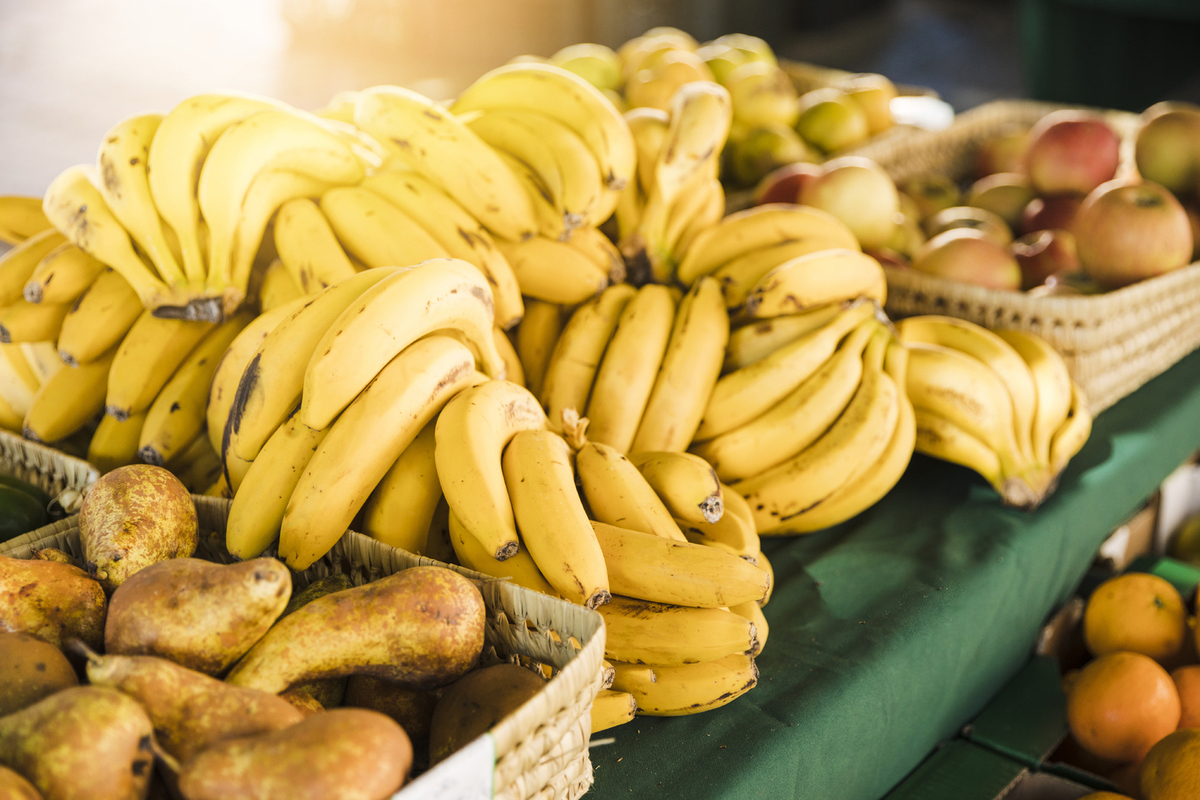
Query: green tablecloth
[(891, 631)]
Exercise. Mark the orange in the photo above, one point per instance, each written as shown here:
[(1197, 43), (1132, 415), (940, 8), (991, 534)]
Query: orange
[(1136, 612), (1172, 768), (1104, 796), (1121, 704), (1187, 681)]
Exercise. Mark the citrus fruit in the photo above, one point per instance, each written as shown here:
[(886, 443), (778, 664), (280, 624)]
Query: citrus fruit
[(1104, 796), (1186, 544), (1121, 704), (1187, 682), (1172, 768), (1136, 612)]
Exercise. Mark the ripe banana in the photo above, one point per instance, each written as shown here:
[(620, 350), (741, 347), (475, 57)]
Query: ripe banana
[(10, 420), (797, 420), (433, 142), (611, 709), (685, 483), (1074, 432), (19, 263), (365, 442), (67, 401), (757, 228), (26, 322), (631, 363), (42, 358), (658, 570), (18, 382), (21, 218), (62, 275), (513, 371), (553, 271), (689, 371), (548, 221), (944, 440), (618, 494), (741, 396), (400, 509), (519, 568), (536, 335), (308, 247), (691, 689), (576, 356), (177, 415), (600, 251), (649, 128), (638, 632), (98, 319), (758, 339), (734, 532), (387, 318), (115, 442), (739, 276), (1053, 383), (752, 611), (198, 466), (146, 359), (827, 276), (278, 287), (550, 517), (700, 206), (376, 232)]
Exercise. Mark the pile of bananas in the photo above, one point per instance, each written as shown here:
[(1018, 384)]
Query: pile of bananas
[(999, 402)]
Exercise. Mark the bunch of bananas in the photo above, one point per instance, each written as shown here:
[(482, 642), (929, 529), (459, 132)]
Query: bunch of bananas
[(999, 402)]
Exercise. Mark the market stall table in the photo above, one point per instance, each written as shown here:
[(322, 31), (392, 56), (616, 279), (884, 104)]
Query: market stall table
[(892, 630)]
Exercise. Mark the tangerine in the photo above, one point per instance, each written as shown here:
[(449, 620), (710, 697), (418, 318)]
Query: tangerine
[(1137, 612), (1187, 682), (1172, 768), (1121, 705)]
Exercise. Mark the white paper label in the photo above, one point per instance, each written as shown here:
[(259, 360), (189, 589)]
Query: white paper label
[(466, 775)]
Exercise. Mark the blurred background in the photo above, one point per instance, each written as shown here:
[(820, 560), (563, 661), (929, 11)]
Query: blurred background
[(68, 68)]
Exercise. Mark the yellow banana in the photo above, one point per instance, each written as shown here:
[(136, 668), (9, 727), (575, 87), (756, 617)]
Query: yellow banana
[(376, 232), (519, 568), (115, 442), (550, 517), (611, 709), (553, 271), (734, 532), (739, 276), (548, 221), (649, 128), (147, 358), (277, 287), (308, 247), (827, 276), (600, 251), (761, 560), (513, 371), (198, 466), (42, 358), (699, 207), (98, 319), (1053, 383), (536, 336), (62, 275), (758, 339), (26, 322), (618, 494), (638, 632), (944, 440), (400, 509), (366, 440), (18, 382), (685, 482), (387, 318), (21, 218), (1070, 438), (67, 401), (691, 689), (752, 611), (19, 263)]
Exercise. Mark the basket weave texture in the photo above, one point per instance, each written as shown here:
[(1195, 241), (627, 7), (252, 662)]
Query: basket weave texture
[(1113, 342), (44, 467), (541, 748)]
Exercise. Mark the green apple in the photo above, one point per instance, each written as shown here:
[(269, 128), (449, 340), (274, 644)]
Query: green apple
[(595, 63), (1167, 149), (874, 94), (831, 121), (764, 149), (932, 193), (654, 85), (986, 223), (1005, 194), (762, 93)]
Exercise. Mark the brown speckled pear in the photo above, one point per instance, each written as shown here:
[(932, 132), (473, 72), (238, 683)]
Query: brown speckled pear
[(344, 754), (190, 711), (55, 602), (14, 787), (133, 517), (421, 628), (30, 669), (196, 613), (54, 554), (476, 703), (412, 710), (83, 743)]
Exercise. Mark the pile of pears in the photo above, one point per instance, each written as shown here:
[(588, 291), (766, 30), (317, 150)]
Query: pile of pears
[(144, 668)]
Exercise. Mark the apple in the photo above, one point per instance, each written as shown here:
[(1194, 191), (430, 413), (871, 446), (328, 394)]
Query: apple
[(1004, 152), (907, 237), (1193, 212), (989, 225), (1044, 253), (964, 255), (1167, 149), (595, 63), (830, 120), (637, 50), (664, 72), (858, 192), (726, 53), (784, 184), (932, 193), (909, 207), (1128, 232), (889, 258), (762, 93), (1005, 194), (1055, 211), (1071, 151), (874, 94), (765, 148)]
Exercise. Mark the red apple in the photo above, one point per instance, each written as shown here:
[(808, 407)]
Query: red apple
[(784, 184), (1046, 213), (1168, 146), (1127, 232), (1044, 253), (1004, 152), (858, 192), (966, 256), (1071, 151), (989, 225)]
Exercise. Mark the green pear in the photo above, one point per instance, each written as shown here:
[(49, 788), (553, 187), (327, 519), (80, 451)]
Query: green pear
[(53, 601), (14, 787), (30, 670), (83, 743)]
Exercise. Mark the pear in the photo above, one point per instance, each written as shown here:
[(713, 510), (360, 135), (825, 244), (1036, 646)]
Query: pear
[(413, 711), (202, 615), (326, 693), (30, 669), (422, 628), (344, 754), (476, 703), (303, 702), (190, 711), (318, 588), (53, 601), (14, 787), (83, 743), (54, 554)]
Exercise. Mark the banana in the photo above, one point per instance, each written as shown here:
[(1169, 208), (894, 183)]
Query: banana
[(944, 440), (685, 482), (177, 415), (198, 466), (969, 338), (19, 263), (98, 319), (1053, 383), (18, 383), (42, 358), (26, 322), (1074, 432), (742, 396), (600, 251), (62, 275), (513, 371), (689, 371), (658, 570), (472, 432), (648, 127), (740, 276), (638, 632), (536, 335), (308, 247), (631, 363), (273, 379), (761, 560), (261, 499), (365, 442), (79, 211), (115, 442), (147, 358), (553, 271), (10, 420), (400, 509), (548, 221), (403, 307), (578, 351), (734, 532), (437, 542), (757, 228), (67, 401), (340, 107), (177, 153), (752, 611), (376, 232), (553, 525), (519, 568), (797, 420), (851, 445), (21, 218), (433, 142), (618, 494), (698, 208), (278, 287), (827, 276), (628, 214), (459, 234), (757, 340), (611, 709), (124, 184), (567, 98)]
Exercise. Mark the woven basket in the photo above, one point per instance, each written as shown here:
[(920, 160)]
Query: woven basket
[(52, 471), (1112, 343), (541, 748)]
